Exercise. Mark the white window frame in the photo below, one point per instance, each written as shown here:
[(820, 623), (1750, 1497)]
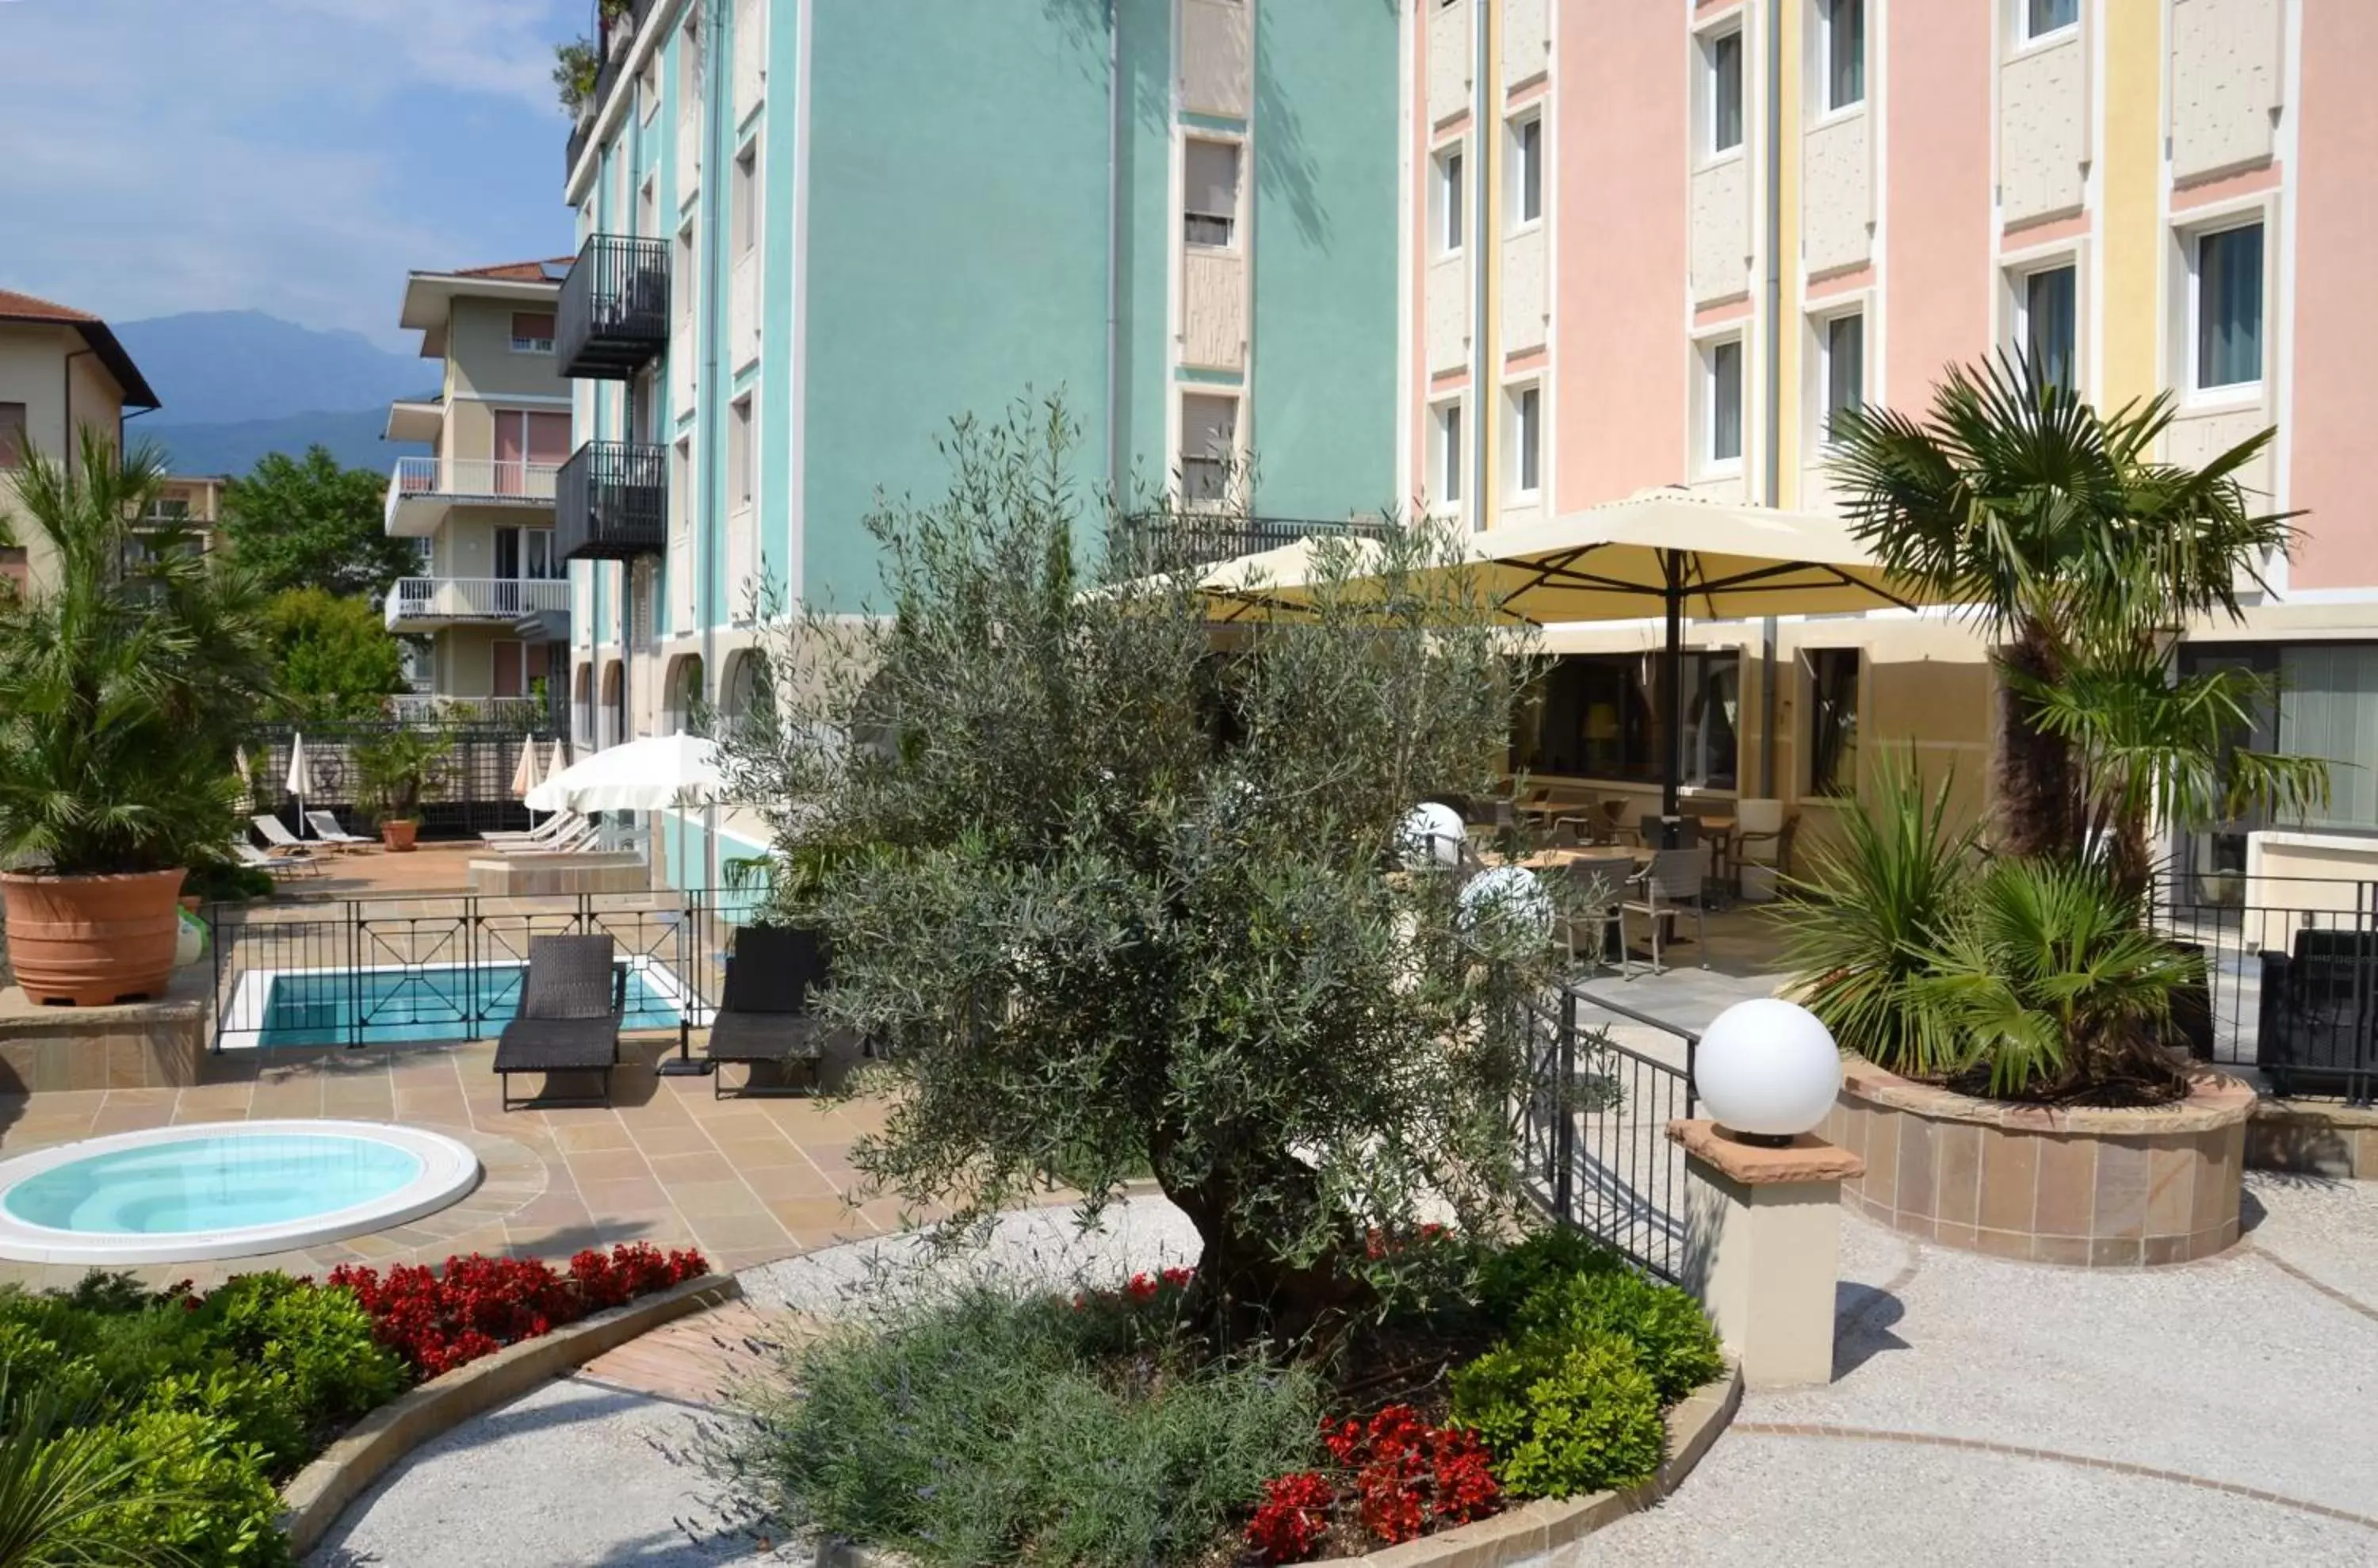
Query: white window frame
[(2192, 237), (1706, 462), (1705, 45), (1449, 196), (648, 89), (2019, 274), (1448, 445), (529, 346), (1236, 217), (743, 201), (1524, 168), (1233, 464), (1822, 402), (2026, 39), (1516, 396), (1828, 33)]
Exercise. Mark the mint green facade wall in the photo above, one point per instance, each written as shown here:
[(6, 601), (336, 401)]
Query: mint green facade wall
[(1325, 310)]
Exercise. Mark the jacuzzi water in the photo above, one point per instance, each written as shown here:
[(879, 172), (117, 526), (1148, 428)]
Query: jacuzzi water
[(224, 1189), (213, 1184)]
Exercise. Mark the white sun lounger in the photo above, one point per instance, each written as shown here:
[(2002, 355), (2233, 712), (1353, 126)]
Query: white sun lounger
[(276, 835), (278, 865), (326, 828), (546, 832), (582, 839)]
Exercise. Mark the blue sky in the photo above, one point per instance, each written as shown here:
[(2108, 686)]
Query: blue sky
[(292, 156)]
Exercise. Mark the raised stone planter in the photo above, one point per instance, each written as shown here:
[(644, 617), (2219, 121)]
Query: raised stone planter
[(130, 1045), (2325, 1138), (2090, 1188), (315, 1497)]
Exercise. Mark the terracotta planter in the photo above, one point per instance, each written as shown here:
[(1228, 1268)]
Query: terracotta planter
[(398, 834), (92, 941)]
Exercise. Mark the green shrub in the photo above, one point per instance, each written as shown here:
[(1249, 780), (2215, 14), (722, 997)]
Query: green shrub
[(319, 1340), (988, 1427), (1675, 1343), (1563, 1416), (1509, 1275), (196, 1493)]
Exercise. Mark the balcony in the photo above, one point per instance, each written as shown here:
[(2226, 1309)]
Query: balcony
[(614, 315), (1185, 542), (424, 489), (614, 37), (426, 604), (613, 503)]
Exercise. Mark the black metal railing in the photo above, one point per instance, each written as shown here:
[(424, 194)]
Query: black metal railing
[(611, 38), (1594, 1145), (471, 790), (2290, 984), (610, 503), (1179, 541), (394, 972), (613, 317)]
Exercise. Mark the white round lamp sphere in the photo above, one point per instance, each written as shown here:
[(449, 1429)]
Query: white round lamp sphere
[(1767, 1069), (1509, 897), (1432, 835)]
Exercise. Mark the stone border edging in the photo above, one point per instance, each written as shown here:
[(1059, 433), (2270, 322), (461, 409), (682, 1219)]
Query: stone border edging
[(317, 1495), (1524, 1532)]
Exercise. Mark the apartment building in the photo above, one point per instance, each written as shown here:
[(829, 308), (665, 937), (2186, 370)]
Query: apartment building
[(816, 231), (1662, 244), (489, 611), (187, 508), (60, 369)]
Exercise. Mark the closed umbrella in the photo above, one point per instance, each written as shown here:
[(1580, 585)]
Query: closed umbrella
[(296, 783), (560, 761), (527, 774)]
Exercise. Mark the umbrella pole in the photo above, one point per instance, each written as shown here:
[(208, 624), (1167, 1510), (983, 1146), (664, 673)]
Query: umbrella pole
[(1672, 677), (683, 1065)]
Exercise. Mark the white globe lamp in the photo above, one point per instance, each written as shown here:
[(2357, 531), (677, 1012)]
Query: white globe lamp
[(1767, 1070), (1509, 896), (1431, 835)]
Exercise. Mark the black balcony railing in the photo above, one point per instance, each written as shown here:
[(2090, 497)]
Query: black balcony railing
[(614, 315), (1179, 541), (610, 503)]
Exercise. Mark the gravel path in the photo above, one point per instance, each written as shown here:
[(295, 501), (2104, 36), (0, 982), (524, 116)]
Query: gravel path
[(2222, 1412)]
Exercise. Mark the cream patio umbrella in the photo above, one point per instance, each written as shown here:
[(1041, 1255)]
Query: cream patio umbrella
[(527, 774)]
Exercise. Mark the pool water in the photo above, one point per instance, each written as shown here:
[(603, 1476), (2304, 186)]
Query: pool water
[(221, 1183), (380, 1006)]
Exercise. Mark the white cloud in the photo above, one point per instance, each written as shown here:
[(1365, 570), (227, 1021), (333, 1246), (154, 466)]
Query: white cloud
[(295, 156)]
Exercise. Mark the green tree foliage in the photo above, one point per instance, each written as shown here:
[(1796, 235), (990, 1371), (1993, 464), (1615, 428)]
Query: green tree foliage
[(2085, 557), (335, 656), (304, 521), (1106, 888), (123, 683)]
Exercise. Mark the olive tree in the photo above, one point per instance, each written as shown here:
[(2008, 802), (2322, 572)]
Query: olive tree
[(1113, 890)]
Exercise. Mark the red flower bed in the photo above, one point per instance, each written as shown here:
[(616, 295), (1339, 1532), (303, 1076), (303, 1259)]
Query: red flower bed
[(481, 1304), (1403, 1478)]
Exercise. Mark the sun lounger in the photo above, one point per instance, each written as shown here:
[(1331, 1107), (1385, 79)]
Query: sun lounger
[(763, 1018), (572, 1000), (278, 865), (544, 832), (276, 835), (326, 828), (581, 840)]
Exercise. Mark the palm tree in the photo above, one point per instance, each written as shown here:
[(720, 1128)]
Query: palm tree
[(2079, 550)]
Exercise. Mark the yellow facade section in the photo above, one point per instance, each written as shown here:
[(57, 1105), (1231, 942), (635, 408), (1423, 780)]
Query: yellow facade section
[(2132, 221)]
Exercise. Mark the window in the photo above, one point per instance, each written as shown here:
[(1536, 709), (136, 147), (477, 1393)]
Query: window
[(1209, 192), (1600, 716), (12, 434), (2041, 17), (740, 455), (1527, 440), (648, 88), (1448, 453), (1832, 721), (743, 202), (1528, 169), (648, 210), (1845, 44), (1448, 199), (2229, 306), (1725, 56), (1724, 404), (532, 332), (1844, 367), (2045, 328), (1209, 446)]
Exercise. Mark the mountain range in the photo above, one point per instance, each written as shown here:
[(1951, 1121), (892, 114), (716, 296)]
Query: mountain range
[(237, 384)]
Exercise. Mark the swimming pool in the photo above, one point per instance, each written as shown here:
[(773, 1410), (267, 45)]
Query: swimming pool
[(223, 1190), (401, 1004)]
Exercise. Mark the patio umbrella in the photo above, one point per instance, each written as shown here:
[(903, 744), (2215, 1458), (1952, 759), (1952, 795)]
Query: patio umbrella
[(527, 774), (296, 783), (652, 773)]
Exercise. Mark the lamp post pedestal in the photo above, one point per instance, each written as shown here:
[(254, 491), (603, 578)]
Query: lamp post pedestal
[(1762, 1250)]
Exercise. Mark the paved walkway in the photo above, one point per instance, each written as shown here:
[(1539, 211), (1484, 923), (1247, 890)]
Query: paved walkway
[(1983, 1411)]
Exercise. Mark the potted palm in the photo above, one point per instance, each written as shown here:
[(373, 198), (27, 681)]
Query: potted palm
[(399, 770), (125, 678)]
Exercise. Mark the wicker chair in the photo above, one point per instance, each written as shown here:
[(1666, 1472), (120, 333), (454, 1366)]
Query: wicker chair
[(571, 1004), (1672, 884), (763, 1017), (1601, 884)]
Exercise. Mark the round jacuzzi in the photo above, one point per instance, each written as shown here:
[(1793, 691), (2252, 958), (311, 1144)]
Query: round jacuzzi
[(223, 1190)]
